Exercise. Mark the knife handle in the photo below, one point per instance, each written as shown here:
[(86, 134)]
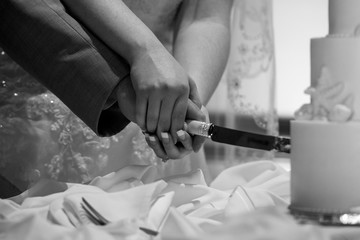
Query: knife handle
[(199, 128)]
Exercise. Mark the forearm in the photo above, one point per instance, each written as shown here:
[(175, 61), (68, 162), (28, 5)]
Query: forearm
[(202, 46), (116, 25)]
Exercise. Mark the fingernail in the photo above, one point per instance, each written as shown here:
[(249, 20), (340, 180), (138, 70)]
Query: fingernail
[(181, 134), (165, 137), (147, 136), (152, 139)]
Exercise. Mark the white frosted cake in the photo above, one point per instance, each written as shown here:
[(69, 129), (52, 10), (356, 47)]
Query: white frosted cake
[(325, 135)]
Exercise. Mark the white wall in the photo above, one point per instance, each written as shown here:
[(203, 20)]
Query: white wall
[(295, 23)]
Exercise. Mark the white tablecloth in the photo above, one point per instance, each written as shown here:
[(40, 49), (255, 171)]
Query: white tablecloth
[(248, 201)]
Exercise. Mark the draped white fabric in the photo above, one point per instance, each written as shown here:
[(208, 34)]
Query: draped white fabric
[(245, 98), (248, 201), (179, 206)]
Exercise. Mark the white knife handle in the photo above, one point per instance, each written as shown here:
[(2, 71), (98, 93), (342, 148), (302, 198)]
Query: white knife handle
[(198, 128)]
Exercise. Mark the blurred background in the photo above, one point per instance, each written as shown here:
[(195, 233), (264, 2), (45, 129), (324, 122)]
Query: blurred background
[(295, 22)]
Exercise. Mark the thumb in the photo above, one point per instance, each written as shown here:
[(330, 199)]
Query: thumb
[(194, 94)]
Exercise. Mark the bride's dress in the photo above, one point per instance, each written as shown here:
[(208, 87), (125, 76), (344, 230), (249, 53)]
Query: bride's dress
[(41, 138)]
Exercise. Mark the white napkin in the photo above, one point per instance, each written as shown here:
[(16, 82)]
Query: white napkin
[(159, 211), (178, 226), (244, 200), (258, 175), (265, 223), (181, 206), (36, 227), (130, 204), (126, 177)]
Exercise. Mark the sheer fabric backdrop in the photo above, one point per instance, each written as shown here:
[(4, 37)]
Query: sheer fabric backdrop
[(245, 98)]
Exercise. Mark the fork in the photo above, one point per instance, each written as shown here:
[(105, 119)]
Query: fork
[(99, 219)]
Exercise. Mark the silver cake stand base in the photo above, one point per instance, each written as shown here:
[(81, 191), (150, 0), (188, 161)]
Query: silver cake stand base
[(306, 216)]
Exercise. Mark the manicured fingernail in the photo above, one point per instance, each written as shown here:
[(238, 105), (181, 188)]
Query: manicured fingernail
[(165, 137), (181, 134), (152, 139)]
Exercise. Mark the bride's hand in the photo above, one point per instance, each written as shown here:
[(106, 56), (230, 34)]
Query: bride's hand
[(165, 148), (162, 88)]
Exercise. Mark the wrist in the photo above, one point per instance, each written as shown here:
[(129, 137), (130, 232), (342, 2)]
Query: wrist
[(142, 49)]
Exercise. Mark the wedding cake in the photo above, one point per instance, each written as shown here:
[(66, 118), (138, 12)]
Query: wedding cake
[(325, 147)]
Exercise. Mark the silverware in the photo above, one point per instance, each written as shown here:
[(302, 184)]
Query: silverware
[(238, 138), (99, 219), (93, 214)]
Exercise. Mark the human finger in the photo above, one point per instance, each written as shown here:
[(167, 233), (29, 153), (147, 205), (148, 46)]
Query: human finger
[(166, 110), (141, 110), (172, 151), (198, 142), (126, 99), (195, 113), (154, 143), (185, 139), (153, 111), (178, 115), (194, 95)]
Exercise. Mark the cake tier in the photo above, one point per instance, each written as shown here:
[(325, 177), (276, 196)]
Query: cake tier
[(344, 17), (325, 166), (336, 61)]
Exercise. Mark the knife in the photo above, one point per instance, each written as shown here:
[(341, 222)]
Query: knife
[(238, 138)]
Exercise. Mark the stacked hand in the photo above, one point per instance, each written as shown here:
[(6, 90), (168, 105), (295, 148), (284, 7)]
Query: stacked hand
[(166, 148), (160, 97), (162, 89)]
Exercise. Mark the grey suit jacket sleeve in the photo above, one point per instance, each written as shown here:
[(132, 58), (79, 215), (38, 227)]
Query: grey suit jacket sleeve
[(65, 57)]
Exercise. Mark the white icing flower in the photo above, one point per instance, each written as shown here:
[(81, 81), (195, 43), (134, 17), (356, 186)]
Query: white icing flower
[(340, 113), (326, 94), (329, 100), (321, 115), (305, 112)]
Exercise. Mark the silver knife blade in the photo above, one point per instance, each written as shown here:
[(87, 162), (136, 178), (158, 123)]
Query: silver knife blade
[(238, 138)]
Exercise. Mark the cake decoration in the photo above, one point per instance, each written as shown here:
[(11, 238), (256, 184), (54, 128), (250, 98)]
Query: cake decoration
[(325, 134), (329, 101)]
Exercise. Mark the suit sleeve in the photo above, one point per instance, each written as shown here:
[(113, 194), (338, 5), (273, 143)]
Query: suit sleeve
[(66, 58)]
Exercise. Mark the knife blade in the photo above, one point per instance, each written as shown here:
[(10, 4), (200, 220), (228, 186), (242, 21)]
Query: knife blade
[(238, 137)]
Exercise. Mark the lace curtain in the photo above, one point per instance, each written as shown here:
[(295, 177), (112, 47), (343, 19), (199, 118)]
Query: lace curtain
[(249, 80)]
